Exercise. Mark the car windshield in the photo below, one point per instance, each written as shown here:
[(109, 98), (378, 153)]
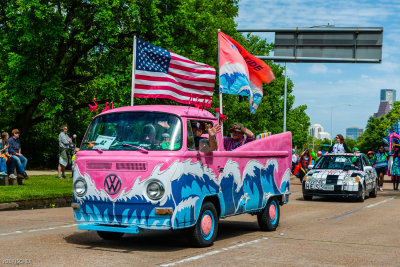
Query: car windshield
[(340, 162), (134, 131)]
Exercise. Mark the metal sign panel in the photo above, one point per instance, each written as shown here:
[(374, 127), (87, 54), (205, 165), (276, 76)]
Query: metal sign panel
[(328, 44)]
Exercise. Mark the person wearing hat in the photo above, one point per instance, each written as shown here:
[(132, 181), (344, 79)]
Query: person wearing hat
[(356, 150), (238, 132), (370, 154), (18, 160), (197, 132), (211, 130)]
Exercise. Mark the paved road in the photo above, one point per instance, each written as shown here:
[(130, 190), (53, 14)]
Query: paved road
[(321, 232)]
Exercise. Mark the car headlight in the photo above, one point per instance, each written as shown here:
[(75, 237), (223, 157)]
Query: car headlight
[(155, 190), (352, 179), (80, 187)]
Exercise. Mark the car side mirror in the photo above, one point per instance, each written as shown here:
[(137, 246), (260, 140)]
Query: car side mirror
[(204, 145)]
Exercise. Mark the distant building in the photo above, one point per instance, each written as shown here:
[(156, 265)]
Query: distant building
[(354, 132), (388, 96), (324, 135), (317, 131)]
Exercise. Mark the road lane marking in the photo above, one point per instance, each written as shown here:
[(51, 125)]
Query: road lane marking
[(366, 207), (213, 252), (344, 214), (37, 230), (378, 203)]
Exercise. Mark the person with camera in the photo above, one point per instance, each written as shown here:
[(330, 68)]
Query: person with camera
[(64, 158)]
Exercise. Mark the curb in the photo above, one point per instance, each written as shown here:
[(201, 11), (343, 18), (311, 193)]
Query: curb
[(37, 204)]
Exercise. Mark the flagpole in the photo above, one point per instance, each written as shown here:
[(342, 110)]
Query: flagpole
[(220, 93), (284, 100), (133, 70)]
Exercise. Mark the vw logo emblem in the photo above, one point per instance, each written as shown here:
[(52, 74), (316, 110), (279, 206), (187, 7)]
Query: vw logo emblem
[(112, 184)]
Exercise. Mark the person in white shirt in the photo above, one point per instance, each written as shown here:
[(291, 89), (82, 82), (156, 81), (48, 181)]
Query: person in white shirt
[(340, 146)]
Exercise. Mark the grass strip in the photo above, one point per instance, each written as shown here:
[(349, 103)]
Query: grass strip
[(37, 187)]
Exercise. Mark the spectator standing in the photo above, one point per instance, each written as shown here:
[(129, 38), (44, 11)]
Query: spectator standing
[(340, 146), (63, 158), (381, 162), (18, 160), (302, 167), (294, 159), (319, 155), (370, 156), (395, 170)]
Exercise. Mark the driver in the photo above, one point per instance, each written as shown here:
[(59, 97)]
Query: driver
[(149, 134), (356, 163)]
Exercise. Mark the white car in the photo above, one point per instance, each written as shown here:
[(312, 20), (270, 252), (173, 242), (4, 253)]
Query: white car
[(341, 175)]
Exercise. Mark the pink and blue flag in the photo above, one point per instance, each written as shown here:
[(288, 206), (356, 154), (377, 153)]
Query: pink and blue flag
[(241, 73), (161, 73)]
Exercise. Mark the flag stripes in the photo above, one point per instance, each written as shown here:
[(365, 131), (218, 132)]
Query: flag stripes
[(163, 74)]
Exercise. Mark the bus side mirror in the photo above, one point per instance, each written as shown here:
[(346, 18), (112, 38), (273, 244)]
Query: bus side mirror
[(204, 145)]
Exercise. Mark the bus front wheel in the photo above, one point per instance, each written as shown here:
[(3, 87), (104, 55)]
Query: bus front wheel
[(205, 231), (268, 218)]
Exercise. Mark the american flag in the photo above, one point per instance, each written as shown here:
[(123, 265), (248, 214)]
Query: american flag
[(161, 73)]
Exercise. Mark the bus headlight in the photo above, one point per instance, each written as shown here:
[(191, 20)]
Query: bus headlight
[(80, 187), (155, 190)]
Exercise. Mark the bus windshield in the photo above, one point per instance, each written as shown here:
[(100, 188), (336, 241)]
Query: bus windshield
[(134, 131)]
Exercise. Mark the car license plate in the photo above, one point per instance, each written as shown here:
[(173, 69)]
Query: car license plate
[(329, 187)]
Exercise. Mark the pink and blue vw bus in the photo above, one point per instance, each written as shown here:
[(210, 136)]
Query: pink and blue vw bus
[(140, 168)]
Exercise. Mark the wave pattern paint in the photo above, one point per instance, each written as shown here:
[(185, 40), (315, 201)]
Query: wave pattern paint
[(186, 184), (234, 80)]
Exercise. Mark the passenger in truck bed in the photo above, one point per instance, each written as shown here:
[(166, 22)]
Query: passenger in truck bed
[(240, 136)]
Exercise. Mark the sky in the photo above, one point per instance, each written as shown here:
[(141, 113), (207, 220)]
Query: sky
[(334, 86)]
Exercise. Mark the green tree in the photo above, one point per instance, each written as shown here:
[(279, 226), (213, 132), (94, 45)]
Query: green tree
[(57, 55), (376, 129)]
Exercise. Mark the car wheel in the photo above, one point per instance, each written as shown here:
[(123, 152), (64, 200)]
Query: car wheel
[(268, 219), (305, 197), (361, 193), (110, 235), (205, 231), (374, 191)]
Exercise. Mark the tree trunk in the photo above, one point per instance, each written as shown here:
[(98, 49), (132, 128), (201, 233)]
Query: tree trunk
[(24, 119)]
